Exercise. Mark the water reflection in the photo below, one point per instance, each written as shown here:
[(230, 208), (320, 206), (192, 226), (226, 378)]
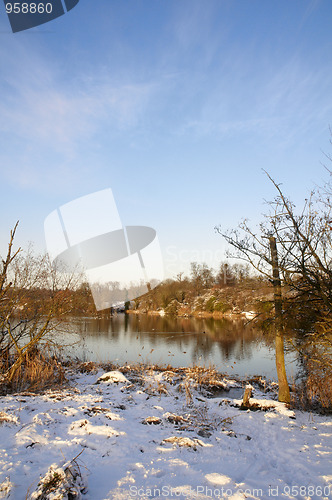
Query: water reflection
[(232, 345)]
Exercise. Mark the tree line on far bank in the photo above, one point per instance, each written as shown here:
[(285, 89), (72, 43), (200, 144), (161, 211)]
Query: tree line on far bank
[(229, 288)]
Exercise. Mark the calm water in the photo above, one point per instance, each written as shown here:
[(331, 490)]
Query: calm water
[(230, 345)]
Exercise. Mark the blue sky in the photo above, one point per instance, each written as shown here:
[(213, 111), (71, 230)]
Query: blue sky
[(175, 105)]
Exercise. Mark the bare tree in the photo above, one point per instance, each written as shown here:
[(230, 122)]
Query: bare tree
[(201, 276), (304, 259), (34, 298)]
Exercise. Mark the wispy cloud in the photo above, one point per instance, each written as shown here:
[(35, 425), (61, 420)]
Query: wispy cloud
[(59, 116), (45, 115), (282, 103)]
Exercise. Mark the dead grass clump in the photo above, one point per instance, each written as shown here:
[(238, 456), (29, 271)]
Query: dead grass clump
[(151, 421), (186, 442), (171, 376), (156, 388), (203, 419), (188, 393), (7, 418), (35, 373), (176, 419), (5, 488), (61, 482), (87, 367), (205, 378)]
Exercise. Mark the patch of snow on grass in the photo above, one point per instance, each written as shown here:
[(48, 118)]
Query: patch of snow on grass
[(113, 377), (81, 427), (266, 404), (218, 479), (185, 441)]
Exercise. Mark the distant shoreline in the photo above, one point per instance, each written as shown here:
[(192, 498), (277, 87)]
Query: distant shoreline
[(197, 314)]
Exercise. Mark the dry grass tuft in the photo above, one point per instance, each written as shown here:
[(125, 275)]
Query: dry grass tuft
[(37, 372), (87, 367), (61, 482), (208, 378)]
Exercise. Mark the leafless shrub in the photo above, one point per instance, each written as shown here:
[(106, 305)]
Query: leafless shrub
[(35, 298), (315, 390)]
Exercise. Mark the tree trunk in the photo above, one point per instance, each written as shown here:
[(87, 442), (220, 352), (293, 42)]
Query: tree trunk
[(283, 394)]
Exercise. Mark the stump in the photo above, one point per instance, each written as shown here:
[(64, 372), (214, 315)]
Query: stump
[(246, 396)]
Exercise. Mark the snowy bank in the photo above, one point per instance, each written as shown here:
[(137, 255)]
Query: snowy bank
[(155, 435)]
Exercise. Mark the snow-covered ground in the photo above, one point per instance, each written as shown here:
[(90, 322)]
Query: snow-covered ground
[(156, 436)]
